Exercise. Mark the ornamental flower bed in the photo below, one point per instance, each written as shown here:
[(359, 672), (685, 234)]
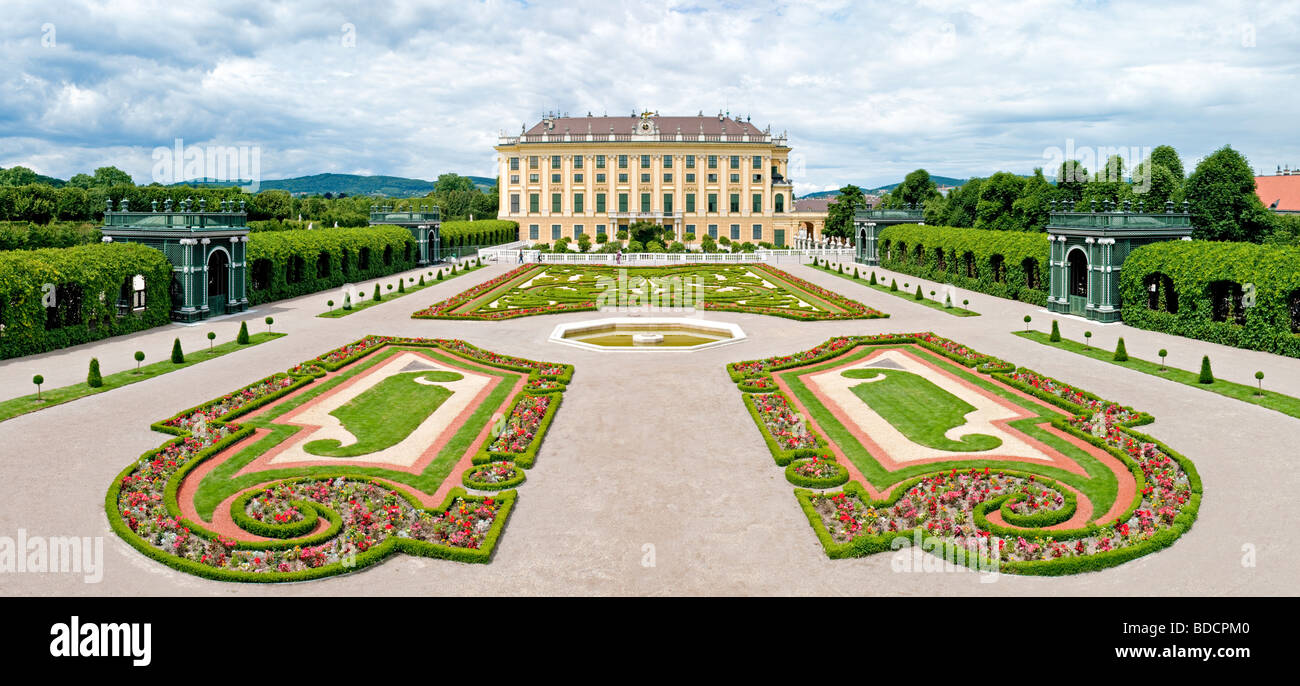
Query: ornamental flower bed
[(781, 421), (493, 475), (1023, 519), (521, 428), (349, 515)]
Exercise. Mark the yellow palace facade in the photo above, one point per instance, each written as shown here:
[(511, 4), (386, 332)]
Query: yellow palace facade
[(701, 175)]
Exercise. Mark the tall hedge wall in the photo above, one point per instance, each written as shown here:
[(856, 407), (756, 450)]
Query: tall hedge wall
[(943, 259), (286, 264), (1193, 266), (480, 232), (88, 281)]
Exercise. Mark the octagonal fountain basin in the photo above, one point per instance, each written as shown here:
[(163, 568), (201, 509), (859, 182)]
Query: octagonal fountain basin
[(647, 334)]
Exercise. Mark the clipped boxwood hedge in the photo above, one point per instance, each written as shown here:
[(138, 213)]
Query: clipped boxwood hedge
[(999, 260), (1192, 266), (479, 232), (88, 281), (287, 264)]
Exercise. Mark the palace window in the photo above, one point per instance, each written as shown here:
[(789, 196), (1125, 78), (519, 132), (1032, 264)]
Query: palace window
[(622, 202), (713, 231), (600, 178), (577, 178), (668, 178), (514, 164), (668, 203), (514, 179), (645, 178), (713, 162), (645, 202), (622, 178), (690, 178), (600, 229), (690, 202), (534, 203), (757, 204), (690, 229), (577, 230), (600, 202), (534, 232), (577, 202), (577, 161), (555, 161), (690, 161), (622, 161), (713, 178), (534, 178), (555, 232), (780, 202), (668, 161), (735, 161), (735, 232), (600, 161), (758, 232), (735, 202), (758, 178), (556, 203), (532, 161), (645, 161), (735, 178), (757, 161), (713, 202), (555, 178)]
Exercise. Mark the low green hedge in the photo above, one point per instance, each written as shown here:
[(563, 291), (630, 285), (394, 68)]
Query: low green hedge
[(480, 232), (87, 282), (527, 458), (287, 264), (1016, 277), (513, 481), (245, 521), (841, 476), (1193, 266)]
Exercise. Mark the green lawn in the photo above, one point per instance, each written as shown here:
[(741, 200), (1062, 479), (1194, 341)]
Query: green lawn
[(1100, 485), (932, 304), (57, 396), (369, 301), (919, 409), (223, 481), (384, 415), (1273, 400)]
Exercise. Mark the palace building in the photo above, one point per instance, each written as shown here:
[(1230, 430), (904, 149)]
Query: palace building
[(703, 175)]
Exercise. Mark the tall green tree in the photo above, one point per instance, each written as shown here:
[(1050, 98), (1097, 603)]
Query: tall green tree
[(1071, 178), (111, 176), (916, 189), (996, 200), (452, 182), (1030, 210), (1224, 206), (1166, 156), (960, 208), (839, 213)]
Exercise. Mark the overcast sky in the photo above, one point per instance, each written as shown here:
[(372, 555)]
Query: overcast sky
[(866, 90)]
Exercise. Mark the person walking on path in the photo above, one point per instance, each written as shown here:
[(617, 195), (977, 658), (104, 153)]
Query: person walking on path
[(618, 258), (521, 257)]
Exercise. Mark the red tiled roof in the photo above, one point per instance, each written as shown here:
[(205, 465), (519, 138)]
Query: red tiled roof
[(812, 204), (1279, 192), (708, 124)]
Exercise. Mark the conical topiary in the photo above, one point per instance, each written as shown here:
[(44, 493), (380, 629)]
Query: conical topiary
[(178, 357), (1207, 376), (242, 338), (893, 284), (1121, 354), (1056, 332), (378, 296), (93, 379), (873, 278), (919, 294), (401, 285), (440, 275), (422, 279)]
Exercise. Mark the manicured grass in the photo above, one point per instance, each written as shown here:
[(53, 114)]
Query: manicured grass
[(57, 396), (1286, 404), (383, 415), (932, 304), (919, 409), (222, 482), (1100, 485), (338, 311)]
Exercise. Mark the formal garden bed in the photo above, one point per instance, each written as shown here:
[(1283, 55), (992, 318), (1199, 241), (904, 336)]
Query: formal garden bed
[(552, 289), (404, 285), (223, 499), (866, 276), (1068, 485)]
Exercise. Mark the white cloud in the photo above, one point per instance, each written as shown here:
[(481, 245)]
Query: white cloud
[(867, 90)]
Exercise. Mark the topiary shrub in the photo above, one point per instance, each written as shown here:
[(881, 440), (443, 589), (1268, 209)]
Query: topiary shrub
[(38, 380), (440, 275), (1207, 376), (242, 338), (178, 356), (893, 285), (1121, 354), (139, 357), (919, 294), (1163, 354), (269, 322), (873, 278), (93, 378), (212, 336), (378, 294), (1056, 332)]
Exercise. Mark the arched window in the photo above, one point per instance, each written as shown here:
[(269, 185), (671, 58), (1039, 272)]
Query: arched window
[(886, 249), (363, 263), (408, 251), (323, 265), (1078, 265), (968, 264), (261, 274), (780, 202), (296, 270), (939, 260), (1293, 304), (345, 261), (998, 265), (1225, 302), (1030, 267), (388, 256), (902, 253), (67, 307), (918, 255), (1161, 295)]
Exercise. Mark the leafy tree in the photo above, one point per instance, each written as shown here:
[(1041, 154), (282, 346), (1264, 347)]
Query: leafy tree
[(1031, 209), (452, 182), (178, 356), (111, 176), (18, 176), (1167, 157), (93, 377), (1071, 178), (839, 214), (961, 204), (996, 200), (273, 204), (916, 189), (1224, 206)]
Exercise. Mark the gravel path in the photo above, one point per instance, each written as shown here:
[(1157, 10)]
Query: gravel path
[(653, 479)]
